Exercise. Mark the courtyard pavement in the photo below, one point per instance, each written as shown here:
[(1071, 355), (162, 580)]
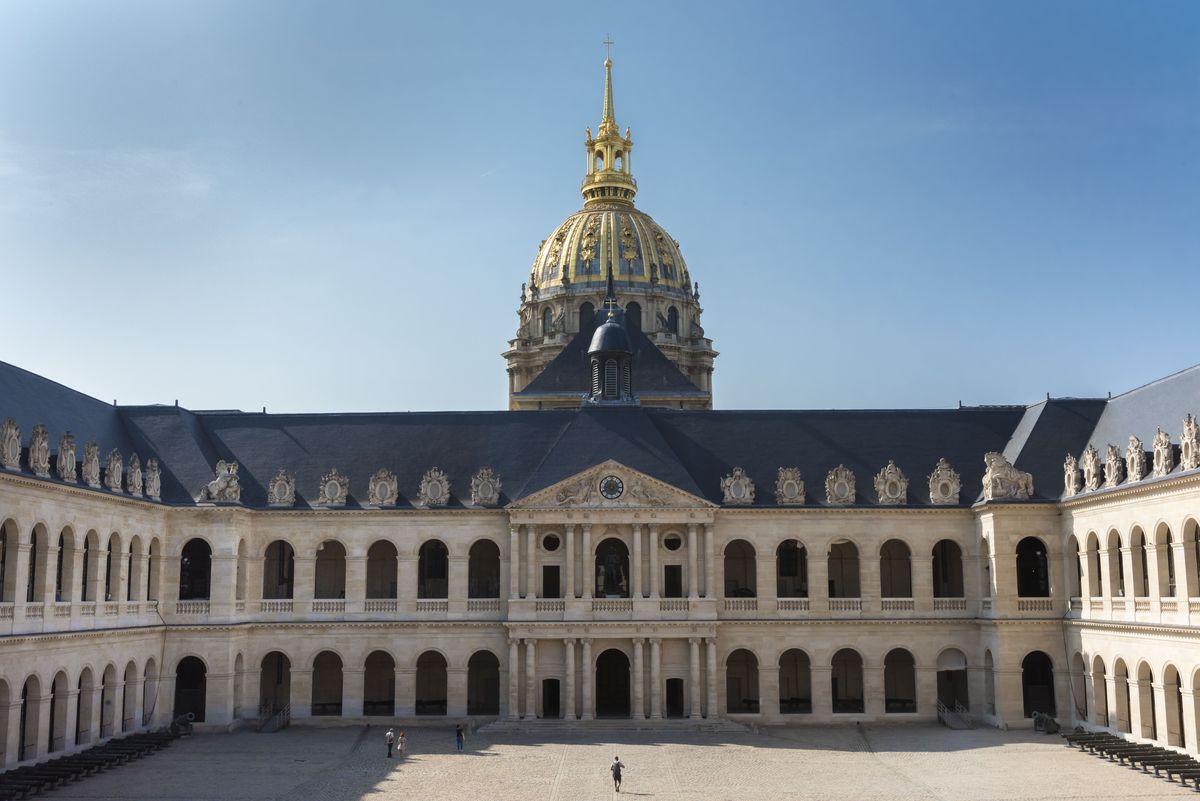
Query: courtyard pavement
[(835, 762)]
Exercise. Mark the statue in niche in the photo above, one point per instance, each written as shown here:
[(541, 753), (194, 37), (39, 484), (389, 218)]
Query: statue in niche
[(39, 451), (91, 464), (610, 580), (1135, 460), (66, 457), (153, 479), (1164, 456), (10, 445)]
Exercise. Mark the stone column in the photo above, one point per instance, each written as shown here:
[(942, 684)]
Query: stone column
[(822, 690), (456, 692), (570, 702), (91, 702), (1190, 730), (75, 568), (47, 576), (818, 580), (1114, 711), (694, 677), (353, 688), (406, 692), (710, 564), (569, 534), (922, 581), (654, 571), (768, 690), (514, 679), (356, 582), (457, 577), (44, 723), (530, 678), (531, 583), (72, 720), (301, 692), (588, 569), (711, 707), (638, 681), (303, 584), (223, 584), (1131, 579), (21, 584), (1107, 574), (693, 576), (637, 586), (589, 705), (96, 576), (136, 687), (514, 554), (656, 687), (12, 737)]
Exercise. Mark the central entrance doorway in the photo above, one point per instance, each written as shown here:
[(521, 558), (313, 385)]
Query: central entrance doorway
[(674, 698), (612, 685), (550, 698)]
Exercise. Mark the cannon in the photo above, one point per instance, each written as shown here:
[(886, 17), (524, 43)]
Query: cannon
[(1045, 723), (182, 724)]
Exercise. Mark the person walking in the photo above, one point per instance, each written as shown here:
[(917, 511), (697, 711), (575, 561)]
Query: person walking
[(390, 739), (459, 736), (401, 742), (615, 767)]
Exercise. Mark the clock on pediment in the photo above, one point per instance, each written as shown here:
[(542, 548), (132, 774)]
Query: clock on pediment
[(611, 487)]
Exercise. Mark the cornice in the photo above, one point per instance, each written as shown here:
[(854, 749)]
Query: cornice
[(78, 490), (1135, 628), (52, 636), (1150, 486), (891, 511)]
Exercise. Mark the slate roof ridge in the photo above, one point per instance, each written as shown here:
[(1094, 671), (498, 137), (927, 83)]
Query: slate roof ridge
[(58, 384), (1150, 384)]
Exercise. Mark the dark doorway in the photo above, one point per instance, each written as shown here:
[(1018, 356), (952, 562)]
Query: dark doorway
[(189, 688), (612, 685), (550, 587), (1037, 682), (673, 581), (550, 698), (952, 688), (674, 698)]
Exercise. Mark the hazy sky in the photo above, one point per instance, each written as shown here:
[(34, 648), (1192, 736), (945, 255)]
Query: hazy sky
[(331, 206)]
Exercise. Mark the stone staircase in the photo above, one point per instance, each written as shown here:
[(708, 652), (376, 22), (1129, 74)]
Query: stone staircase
[(552, 726)]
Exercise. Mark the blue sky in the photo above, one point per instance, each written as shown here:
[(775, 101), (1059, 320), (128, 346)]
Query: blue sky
[(331, 206)]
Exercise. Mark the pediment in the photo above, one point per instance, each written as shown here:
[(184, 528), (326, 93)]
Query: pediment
[(594, 489)]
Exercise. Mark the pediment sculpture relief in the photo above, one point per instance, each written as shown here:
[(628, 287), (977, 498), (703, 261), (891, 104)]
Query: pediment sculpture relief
[(576, 494), (1002, 481), (1164, 455), (281, 491), (39, 451), (435, 489), (737, 489), (91, 464), (225, 487), (1091, 469), (133, 477), (1070, 476), (839, 486), (891, 485), (66, 458), (383, 489), (112, 470), (1135, 460), (1189, 445), (10, 445), (485, 488), (789, 487), (944, 484), (153, 479), (333, 490), (1114, 466)]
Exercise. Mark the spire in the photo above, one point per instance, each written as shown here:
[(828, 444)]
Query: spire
[(609, 178), (608, 122), (610, 293)]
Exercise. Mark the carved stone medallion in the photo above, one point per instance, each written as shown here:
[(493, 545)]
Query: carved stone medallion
[(281, 491), (66, 458), (1070, 476), (944, 484), (435, 489), (891, 485), (10, 445), (789, 487), (839, 486), (737, 489), (91, 464), (153, 479), (1114, 466), (1091, 469), (113, 470), (1164, 455), (1189, 445), (39, 451), (225, 487), (333, 490), (485, 488), (1135, 460), (133, 477), (1002, 481), (382, 488)]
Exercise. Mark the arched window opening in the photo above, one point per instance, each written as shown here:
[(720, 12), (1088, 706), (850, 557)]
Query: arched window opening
[(1037, 684), (791, 570), (1173, 697), (431, 684), (947, 570), (483, 685), (1095, 584), (843, 570), (62, 574), (619, 161), (741, 682), (1079, 694), (952, 690), (274, 684), (847, 682), (190, 685), (741, 568), (195, 570), (112, 567), (8, 561), (31, 696), (153, 567), (327, 685), (795, 683), (633, 316), (37, 564), (135, 567), (1164, 556), (433, 570), (279, 571), (1145, 683), (612, 569), (483, 570), (379, 684), (587, 316), (330, 570), (382, 567), (673, 320), (1076, 556), (547, 322), (612, 684), (598, 164), (1116, 566), (1099, 694), (1033, 569), (899, 682), (129, 710), (612, 387), (895, 570), (84, 704), (1121, 679), (1141, 572), (59, 689), (989, 683), (149, 691)]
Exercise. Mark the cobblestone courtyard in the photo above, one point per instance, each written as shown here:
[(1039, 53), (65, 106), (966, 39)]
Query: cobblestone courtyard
[(912, 762)]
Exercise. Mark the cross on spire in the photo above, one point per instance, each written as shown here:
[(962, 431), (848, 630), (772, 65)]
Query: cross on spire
[(608, 43)]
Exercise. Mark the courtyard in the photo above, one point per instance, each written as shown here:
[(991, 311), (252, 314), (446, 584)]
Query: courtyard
[(834, 762)]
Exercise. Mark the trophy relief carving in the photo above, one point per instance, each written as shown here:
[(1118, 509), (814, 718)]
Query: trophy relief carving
[(66, 458), (333, 490), (133, 477), (91, 464), (944, 484), (435, 489), (891, 485), (1135, 460), (39, 451), (382, 488), (1114, 466), (153, 479), (839, 486), (485, 488), (789, 487), (1164, 455), (10, 445), (113, 470), (1070, 476), (737, 489), (281, 490), (1091, 469), (1189, 445)]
